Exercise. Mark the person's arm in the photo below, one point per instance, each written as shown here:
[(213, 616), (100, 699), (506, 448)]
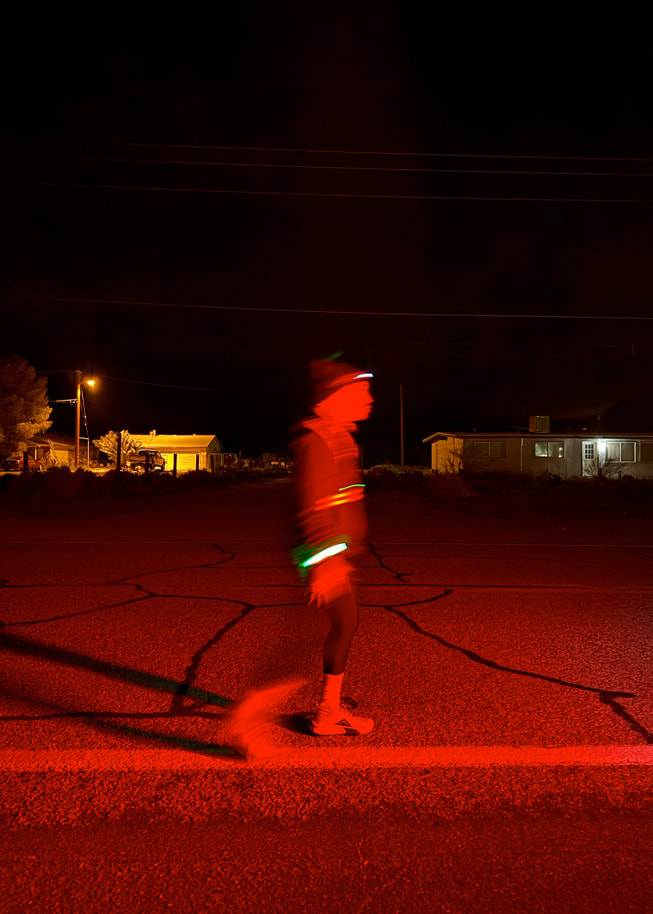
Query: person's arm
[(321, 555)]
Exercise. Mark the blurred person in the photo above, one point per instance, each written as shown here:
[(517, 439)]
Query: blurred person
[(332, 528), (332, 524)]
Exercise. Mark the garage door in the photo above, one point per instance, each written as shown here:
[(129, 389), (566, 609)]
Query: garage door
[(186, 462)]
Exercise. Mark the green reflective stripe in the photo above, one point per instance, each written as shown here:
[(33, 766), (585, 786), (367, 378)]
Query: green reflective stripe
[(324, 554), (356, 485)]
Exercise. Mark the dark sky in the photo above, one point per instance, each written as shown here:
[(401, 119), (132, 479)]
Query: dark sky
[(138, 104)]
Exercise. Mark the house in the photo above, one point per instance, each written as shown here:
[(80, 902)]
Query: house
[(185, 452), (57, 450), (564, 454)]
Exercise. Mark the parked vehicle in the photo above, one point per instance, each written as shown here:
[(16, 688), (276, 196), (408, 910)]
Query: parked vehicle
[(15, 464), (146, 460)]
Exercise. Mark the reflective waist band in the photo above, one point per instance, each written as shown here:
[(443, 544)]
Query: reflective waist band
[(307, 557), (324, 554)]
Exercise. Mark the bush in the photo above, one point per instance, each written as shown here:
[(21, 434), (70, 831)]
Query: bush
[(59, 484), (550, 493), (384, 478)]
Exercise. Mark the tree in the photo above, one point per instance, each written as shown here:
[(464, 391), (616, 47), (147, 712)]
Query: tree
[(24, 410), (108, 444)]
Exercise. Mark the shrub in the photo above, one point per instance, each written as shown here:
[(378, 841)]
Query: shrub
[(388, 477)]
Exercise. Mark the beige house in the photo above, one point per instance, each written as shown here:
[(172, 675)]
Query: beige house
[(539, 451), (184, 453), (59, 450)]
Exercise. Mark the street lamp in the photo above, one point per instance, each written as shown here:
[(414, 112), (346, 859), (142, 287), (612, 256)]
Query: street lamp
[(79, 381)]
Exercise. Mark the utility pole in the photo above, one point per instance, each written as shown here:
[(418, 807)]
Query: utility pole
[(401, 420), (77, 401), (78, 382)]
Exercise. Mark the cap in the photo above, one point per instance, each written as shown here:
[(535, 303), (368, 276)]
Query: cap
[(328, 376)]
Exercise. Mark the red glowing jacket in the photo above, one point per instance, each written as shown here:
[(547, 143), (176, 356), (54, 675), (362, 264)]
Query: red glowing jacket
[(328, 491)]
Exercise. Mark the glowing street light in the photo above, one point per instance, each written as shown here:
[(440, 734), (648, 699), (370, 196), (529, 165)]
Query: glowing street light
[(90, 382)]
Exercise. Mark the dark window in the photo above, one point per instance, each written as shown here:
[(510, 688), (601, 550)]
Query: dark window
[(646, 451), (489, 449)]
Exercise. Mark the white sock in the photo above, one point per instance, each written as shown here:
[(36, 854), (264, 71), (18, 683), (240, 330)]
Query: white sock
[(331, 687)]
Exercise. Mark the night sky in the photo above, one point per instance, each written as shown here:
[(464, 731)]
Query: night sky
[(197, 129)]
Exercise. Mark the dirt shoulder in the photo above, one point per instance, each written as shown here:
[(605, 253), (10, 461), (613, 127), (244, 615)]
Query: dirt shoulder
[(443, 510)]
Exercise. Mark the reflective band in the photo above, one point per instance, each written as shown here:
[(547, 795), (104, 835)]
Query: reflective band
[(352, 493), (363, 374), (324, 554)]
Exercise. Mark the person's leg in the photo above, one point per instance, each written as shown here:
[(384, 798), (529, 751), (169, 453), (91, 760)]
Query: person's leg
[(330, 717), (343, 615)]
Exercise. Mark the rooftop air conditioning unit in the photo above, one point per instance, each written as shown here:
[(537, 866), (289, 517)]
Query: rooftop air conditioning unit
[(539, 424)]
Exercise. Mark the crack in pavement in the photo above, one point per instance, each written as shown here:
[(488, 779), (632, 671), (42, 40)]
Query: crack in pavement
[(399, 576), (606, 696), (177, 705), (227, 558), (185, 690), (27, 647), (81, 612)]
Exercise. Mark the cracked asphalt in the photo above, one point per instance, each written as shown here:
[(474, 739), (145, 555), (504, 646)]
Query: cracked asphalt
[(483, 642)]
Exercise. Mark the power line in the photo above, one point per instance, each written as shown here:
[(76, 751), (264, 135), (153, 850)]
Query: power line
[(287, 193), (274, 310), (368, 168), (157, 384), (106, 377), (369, 152)]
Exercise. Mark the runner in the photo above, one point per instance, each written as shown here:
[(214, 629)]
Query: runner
[(332, 524), (332, 528)]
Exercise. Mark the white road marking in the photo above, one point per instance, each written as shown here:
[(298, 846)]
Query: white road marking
[(71, 760)]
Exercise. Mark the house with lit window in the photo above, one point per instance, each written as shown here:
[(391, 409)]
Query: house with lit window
[(184, 453), (539, 451)]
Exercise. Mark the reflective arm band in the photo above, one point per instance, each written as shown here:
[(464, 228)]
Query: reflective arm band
[(324, 554), (346, 495)]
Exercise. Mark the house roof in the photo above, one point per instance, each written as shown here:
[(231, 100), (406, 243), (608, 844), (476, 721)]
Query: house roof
[(56, 439), (189, 443), (543, 436)]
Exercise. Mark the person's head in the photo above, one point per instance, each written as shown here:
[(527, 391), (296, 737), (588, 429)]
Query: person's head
[(341, 392)]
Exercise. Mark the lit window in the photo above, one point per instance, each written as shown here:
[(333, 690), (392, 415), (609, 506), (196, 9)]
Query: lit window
[(620, 451), (549, 449), (489, 449)]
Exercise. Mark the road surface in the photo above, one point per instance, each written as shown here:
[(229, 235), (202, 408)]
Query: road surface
[(507, 662)]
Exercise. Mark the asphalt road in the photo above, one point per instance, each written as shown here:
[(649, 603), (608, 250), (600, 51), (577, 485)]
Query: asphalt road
[(507, 661)]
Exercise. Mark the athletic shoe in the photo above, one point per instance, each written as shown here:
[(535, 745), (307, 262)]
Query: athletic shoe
[(252, 741), (249, 721), (340, 722)]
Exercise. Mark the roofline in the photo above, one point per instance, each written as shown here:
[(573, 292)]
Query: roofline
[(617, 436)]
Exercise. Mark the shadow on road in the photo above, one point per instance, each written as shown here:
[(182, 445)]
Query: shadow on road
[(27, 647)]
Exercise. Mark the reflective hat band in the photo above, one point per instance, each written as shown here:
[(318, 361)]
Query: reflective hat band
[(363, 374)]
